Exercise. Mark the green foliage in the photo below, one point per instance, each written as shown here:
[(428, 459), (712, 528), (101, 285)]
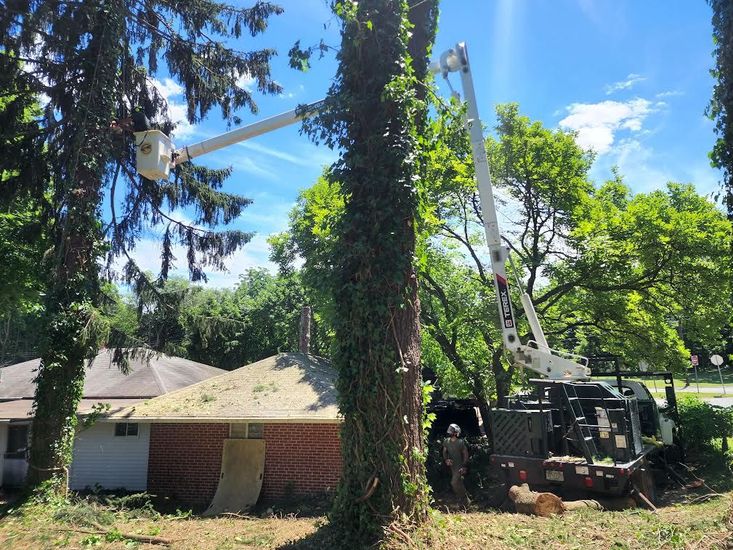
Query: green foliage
[(312, 237), (609, 272), (647, 277), (93, 62), (702, 423), (226, 328), (721, 104), (371, 113)]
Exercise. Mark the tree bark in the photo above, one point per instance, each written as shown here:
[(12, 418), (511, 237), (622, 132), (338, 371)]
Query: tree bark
[(377, 324)]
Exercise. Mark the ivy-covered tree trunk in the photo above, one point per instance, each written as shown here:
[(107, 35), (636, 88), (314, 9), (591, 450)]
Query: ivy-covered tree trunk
[(71, 333), (376, 112)]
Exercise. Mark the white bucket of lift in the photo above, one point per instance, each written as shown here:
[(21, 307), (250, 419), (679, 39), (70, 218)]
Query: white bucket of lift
[(153, 154)]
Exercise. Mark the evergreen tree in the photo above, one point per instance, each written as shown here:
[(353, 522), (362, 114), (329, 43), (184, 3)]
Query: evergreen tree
[(93, 62), (374, 112)]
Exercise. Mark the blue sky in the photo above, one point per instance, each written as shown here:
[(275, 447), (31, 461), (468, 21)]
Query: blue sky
[(632, 78)]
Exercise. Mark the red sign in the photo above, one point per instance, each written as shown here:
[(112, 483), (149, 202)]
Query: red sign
[(694, 360)]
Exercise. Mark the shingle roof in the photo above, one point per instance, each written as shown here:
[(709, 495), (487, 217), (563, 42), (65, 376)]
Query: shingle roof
[(146, 378), (20, 409), (285, 387)]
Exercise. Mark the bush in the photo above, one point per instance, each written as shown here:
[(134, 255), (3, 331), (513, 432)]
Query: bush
[(702, 423)]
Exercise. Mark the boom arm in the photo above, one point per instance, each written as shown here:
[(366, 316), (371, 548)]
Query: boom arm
[(156, 154), (538, 357)]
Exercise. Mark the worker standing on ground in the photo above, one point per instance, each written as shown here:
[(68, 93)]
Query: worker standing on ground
[(455, 455)]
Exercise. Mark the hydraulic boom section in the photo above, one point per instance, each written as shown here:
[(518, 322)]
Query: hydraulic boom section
[(536, 354), (156, 154)]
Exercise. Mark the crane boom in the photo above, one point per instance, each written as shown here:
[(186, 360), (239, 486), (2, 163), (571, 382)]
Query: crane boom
[(535, 355), (156, 155)]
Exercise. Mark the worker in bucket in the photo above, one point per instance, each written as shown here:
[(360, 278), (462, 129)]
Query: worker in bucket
[(455, 455)]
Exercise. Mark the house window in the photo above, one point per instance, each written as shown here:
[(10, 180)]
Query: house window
[(246, 431), (125, 429), (238, 431), (17, 441), (255, 431)]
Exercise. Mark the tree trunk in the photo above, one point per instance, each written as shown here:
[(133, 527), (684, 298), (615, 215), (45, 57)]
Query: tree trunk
[(538, 504), (502, 377), (377, 323), (71, 336), (304, 344), (530, 502)]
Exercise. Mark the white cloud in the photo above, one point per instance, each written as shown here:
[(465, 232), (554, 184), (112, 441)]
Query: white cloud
[(298, 160), (626, 84), (170, 89), (637, 163), (597, 123), (246, 81), (670, 93)]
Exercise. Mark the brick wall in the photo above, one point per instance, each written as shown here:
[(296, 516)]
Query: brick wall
[(185, 460), (301, 459)]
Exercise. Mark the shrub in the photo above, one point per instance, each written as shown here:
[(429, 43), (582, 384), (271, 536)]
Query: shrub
[(702, 423)]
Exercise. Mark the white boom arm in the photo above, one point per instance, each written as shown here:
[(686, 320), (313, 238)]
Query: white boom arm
[(536, 355), (156, 154)]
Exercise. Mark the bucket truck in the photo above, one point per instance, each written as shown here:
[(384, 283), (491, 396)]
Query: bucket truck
[(571, 432)]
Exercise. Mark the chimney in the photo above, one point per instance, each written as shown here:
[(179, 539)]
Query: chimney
[(305, 330)]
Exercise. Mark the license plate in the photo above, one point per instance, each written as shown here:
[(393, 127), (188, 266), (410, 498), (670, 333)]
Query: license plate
[(554, 475)]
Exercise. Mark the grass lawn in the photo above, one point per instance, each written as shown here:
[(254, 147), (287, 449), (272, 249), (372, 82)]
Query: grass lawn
[(84, 524)]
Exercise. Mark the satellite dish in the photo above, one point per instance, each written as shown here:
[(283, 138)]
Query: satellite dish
[(716, 360)]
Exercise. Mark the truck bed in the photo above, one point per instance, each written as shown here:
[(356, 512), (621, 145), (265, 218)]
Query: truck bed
[(571, 473)]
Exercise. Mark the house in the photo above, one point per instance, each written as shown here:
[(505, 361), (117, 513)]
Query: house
[(287, 402), (105, 454)]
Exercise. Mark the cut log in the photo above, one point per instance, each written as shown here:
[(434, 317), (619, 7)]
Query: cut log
[(527, 501), (581, 505), (531, 502)]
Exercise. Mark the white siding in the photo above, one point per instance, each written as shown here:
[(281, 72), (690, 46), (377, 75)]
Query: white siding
[(101, 458)]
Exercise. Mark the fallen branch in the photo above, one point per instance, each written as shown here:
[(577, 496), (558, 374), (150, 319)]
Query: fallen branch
[(148, 539), (235, 515)]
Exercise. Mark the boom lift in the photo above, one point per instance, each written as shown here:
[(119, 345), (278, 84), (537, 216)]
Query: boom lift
[(571, 432)]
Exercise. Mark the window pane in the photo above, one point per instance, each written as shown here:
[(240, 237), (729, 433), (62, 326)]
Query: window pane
[(238, 431), (17, 441), (120, 429), (255, 431), (132, 430)]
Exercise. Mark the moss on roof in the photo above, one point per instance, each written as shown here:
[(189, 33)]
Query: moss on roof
[(288, 386)]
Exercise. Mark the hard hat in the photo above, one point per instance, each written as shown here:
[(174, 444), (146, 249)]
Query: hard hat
[(454, 429)]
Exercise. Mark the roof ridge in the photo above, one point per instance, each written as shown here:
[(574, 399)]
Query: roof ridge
[(156, 375)]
